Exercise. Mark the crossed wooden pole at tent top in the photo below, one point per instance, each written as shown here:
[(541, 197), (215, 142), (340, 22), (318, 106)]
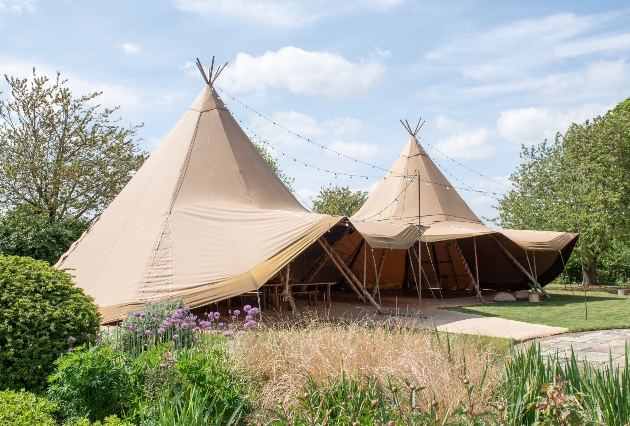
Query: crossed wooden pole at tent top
[(210, 81)]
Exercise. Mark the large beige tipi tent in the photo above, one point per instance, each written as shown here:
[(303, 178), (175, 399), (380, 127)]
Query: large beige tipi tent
[(204, 218), (458, 251)]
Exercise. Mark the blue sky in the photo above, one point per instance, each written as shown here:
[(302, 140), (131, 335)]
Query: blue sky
[(485, 75)]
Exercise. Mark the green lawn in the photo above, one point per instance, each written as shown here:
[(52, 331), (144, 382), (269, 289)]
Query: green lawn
[(564, 309)]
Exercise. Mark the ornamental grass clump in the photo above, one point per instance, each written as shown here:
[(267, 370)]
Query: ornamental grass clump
[(281, 357), (540, 387), (42, 314)]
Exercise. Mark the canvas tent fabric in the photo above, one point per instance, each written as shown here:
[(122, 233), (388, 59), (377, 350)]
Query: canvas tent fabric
[(413, 193), (205, 218)]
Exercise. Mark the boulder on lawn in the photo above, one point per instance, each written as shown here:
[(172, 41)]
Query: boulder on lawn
[(522, 295), (504, 297)]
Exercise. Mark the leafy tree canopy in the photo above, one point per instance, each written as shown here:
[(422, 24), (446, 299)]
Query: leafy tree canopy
[(24, 232), (578, 183), (61, 154), (275, 166), (339, 200)]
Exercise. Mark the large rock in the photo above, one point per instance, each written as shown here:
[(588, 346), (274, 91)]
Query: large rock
[(522, 295), (504, 297)]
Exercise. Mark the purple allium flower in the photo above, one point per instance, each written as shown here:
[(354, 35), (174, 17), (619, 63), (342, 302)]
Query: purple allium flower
[(230, 325), (219, 331), (88, 334), (186, 309), (220, 324), (217, 315), (71, 339), (133, 326), (233, 317), (254, 311), (205, 314), (237, 312), (184, 325), (70, 350), (167, 323), (250, 323), (137, 314), (246, 308), (196, 329), (98, 340), (175, 336), (143, 315), (248, 317), (147, 332), (160, 330), (228, 335)]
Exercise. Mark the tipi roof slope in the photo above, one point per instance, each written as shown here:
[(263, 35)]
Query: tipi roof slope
[(395, 198), (205, 216)]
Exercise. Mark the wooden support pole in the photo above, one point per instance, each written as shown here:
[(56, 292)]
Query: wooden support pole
[(348, 275), (321, 260), (381, 263), (337, 262), (365, 266), (287, 292), (477, 271), (468, 271), (519, 266)]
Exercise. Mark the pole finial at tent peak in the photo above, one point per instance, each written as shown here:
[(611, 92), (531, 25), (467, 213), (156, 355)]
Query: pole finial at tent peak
[(416, 130), (210, 81)]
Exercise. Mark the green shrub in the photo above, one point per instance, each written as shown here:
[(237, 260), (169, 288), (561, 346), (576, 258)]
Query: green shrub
[(27, 232), (40, 309), (25, 409), (108, 421), (193, 408), (93, 383), (200, 379), (359, 400)]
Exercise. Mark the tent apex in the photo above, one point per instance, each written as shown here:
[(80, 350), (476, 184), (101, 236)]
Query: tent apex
[(209, 78), (414, 132)]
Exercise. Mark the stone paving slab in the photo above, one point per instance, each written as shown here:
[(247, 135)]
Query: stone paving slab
[(595, 346)]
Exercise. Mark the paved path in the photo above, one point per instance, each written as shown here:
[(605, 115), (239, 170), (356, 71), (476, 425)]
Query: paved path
[(595, 346)]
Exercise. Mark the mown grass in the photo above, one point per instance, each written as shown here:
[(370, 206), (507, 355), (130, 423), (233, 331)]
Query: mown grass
[(564, 309)]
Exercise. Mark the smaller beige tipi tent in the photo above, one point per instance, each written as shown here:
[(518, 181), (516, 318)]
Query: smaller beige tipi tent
[(458, 251)]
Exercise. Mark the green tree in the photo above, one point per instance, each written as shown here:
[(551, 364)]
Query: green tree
[(274, 164), (63, 155), (24, 232), (579, 183), (339, 200)]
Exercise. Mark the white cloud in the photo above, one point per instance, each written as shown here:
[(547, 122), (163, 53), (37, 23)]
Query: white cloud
[(16, 7), (302, 72), (532, 125), (443, 122), (189, 68), (301, 124), (473, 143), (521, 46), (354, 149), (130, 48), (281, 13)]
